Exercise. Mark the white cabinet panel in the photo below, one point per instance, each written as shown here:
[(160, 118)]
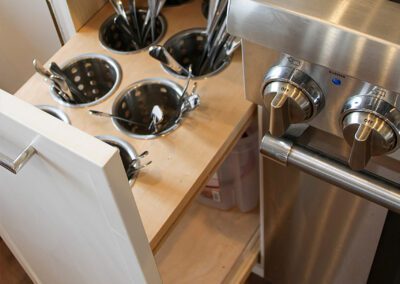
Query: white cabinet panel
[(68, 215)]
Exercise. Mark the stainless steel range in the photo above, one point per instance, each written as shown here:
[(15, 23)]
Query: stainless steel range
[(326, 75)]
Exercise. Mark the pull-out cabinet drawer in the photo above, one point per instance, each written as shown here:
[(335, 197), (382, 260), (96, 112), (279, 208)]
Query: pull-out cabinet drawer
[(68, 214)]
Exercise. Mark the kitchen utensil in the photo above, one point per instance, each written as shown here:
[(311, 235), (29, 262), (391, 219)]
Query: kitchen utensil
[(157, 117), (212, 6), (183, 94), (236, 42), (119, 9), (57, 82), (149, 19), (127, 34), (69, 86), (109, 115), (146, 22), (135, 162), (152, 8), (122, 12), (192, 101), (61, 96), (133, 168), (212, 30), (63, 88), (160, 5), (127, 153), (115, 35), (219, 13), (161, 54), (226, 52), (187, 47), (143, 154), (135, 21), (218, 41), (39, 68)]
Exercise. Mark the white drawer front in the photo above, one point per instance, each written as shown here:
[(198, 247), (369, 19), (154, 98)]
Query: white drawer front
[(68, 215)]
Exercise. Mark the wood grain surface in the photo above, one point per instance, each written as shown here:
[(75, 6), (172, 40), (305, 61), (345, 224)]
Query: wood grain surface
[(204, 246), (183, 160)]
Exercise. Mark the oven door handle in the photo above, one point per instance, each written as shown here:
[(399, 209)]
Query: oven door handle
[(285, 153)]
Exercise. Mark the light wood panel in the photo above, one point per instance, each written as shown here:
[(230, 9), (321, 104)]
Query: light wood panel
[(182, 160), (244, 264), (82, 11), (205, 244)]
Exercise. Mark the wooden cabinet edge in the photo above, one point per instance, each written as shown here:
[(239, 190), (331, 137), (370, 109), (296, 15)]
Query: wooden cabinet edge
[(159, 240), (245, 262), (71, 15)]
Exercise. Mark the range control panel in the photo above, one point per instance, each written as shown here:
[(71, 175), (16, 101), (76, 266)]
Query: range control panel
[(366, 116)]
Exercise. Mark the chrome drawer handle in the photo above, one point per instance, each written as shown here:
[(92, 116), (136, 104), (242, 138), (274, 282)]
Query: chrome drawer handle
[(16, 165), (285, 153)]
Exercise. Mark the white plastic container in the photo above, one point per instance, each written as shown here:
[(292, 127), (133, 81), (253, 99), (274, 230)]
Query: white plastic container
[(237, 180), (218, 193)]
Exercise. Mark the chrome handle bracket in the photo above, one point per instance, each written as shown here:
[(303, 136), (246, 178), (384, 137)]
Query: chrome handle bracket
[(277, 150), (16, 165)]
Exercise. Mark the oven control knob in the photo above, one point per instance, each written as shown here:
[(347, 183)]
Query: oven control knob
[(290, 96), (371, 126), (288, 105), (368, 136)]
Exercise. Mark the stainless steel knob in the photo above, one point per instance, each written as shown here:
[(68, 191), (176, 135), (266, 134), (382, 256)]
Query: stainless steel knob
[(371, 125), (368, 136), (289, 105), (290, 96)]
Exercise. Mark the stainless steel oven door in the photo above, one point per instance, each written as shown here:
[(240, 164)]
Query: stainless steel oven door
[(315, 228)]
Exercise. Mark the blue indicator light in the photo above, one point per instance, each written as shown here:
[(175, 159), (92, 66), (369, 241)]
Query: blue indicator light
[(336, 81)]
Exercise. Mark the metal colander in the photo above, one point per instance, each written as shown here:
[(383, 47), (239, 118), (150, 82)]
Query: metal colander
[(187, 48), (127, 154), (137, 102), (96, 76), (111, 35)]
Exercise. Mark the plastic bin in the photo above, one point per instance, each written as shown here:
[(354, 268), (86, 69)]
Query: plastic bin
[(237, 181)]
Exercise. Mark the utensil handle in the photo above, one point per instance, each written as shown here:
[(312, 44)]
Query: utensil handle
[(16, 165), (285, 153)]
